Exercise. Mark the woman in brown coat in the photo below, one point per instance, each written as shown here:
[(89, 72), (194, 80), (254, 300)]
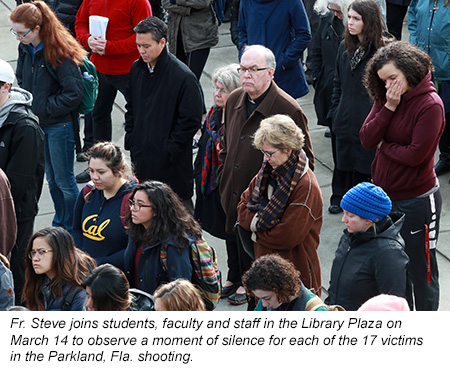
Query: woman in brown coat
[(282, 206)]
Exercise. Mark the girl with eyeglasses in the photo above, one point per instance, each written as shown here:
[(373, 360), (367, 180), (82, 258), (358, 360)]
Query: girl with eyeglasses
[(98, 225), (47, 67), (55, 269), (158, 224)]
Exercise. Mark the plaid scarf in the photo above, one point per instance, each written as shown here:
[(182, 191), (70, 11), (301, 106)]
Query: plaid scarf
[(287, 175), (211, 161)]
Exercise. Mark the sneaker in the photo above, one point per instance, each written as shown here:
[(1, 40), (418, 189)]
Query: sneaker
[(83, 177)]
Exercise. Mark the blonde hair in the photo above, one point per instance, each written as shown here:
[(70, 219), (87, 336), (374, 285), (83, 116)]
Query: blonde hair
[(281, 132), (179, 295)]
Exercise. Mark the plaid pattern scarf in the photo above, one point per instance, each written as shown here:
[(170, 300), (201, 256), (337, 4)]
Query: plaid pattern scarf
[(287, 175), (211, 161)]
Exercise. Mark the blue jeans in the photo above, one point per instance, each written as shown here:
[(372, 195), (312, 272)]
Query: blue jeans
[(59, 160)]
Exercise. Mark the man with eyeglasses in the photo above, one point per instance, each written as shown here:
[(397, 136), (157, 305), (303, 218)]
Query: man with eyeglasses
[(258, 98), (284, 28), (164, 111), (22, 160)]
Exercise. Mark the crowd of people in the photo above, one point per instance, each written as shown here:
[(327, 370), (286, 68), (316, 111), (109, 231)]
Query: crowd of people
[(129, 239)]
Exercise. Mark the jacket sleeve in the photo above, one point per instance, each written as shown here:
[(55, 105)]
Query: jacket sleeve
[(140, 9), (315, 51), (243, 36), (301, 35), (428, 126), (245, 216), (178, 265), (234, 29), (7, 218), (82, 24), (375, 125), (189, 117), (296, 222), (412, 22), (336, 97), (391, 269), (129, 122), (77, 233), (183, 7), (28, 143), (78, 301), (70, 93)]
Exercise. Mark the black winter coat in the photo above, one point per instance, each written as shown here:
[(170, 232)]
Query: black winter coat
[(367, 264), (323, 63), (350, 106), (66, 10), (53, 101), (164, 112), (22, 159)]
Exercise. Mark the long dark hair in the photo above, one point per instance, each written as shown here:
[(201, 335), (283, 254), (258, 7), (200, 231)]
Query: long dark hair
[(109, 288), (69, 264), (373, 26), (172, 219)]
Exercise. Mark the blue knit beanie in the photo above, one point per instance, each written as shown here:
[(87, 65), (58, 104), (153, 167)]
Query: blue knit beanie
[(367, 201)]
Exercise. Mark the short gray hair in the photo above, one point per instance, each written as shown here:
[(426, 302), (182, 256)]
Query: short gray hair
[(228, 77), (270, 57)]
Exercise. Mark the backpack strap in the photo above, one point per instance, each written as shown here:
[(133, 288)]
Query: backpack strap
[(163, 256), (67, 301), (314, 303)]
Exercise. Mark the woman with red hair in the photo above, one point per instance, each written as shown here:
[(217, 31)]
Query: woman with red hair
[(48, 67)]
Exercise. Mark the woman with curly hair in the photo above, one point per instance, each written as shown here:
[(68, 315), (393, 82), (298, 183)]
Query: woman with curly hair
[(277, 284), (47, 67), (350, 103), (55, 269), (158, 223), (405, 125), (178, 295)]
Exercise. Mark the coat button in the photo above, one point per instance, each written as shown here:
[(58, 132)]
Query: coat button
[(235, 194), (236, 166)]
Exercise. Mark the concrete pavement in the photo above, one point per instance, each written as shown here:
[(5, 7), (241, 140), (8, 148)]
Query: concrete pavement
[(225, 52)]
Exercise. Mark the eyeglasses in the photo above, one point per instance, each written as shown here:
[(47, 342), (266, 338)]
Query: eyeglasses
[(136, 206), (334, 10), (220, 90), (268, 154), (20, 35), (250, 70), (40, 252)]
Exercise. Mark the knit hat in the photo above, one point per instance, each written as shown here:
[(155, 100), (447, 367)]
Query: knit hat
[(367, 201), (385, 302), (6, 72)]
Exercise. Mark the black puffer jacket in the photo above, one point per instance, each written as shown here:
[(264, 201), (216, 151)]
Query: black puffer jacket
[(53, 101), (367, 264), (66, 10)]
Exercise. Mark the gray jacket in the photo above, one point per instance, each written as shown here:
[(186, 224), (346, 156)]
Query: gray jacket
[(197, 22)]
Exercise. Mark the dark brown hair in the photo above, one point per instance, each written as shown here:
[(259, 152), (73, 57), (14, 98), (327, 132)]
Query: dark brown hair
[(410, 60), (172, 219), (273, 273), (69, 264), (373, 29)]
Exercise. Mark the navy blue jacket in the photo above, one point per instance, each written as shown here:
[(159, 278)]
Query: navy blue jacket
[(150, 271), (367, 264), (282, 26), (98, 228), (54, 304)]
